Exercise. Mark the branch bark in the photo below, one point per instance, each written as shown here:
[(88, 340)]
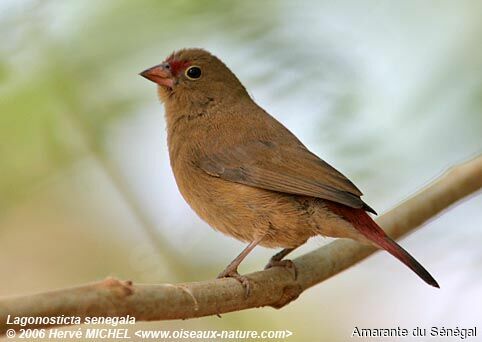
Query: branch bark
[(273, 287)]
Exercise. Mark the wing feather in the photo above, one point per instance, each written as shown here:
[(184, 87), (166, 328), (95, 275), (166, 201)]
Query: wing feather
[(288, 169)]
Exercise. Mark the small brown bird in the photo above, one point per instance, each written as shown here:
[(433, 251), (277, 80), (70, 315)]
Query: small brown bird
[(247, 175)]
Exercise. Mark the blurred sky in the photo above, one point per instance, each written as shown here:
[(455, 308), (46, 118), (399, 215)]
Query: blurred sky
[(390, 93)]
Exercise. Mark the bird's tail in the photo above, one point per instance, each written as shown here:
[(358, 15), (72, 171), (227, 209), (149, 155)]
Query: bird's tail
[(370, 229)]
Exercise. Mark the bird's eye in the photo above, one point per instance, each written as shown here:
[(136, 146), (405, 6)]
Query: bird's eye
[(193, 72)]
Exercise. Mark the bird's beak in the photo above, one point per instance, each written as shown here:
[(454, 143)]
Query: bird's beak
[(159, 74)]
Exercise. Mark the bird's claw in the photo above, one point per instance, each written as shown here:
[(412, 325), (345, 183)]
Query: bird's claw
[(242, 279), (285, 263)]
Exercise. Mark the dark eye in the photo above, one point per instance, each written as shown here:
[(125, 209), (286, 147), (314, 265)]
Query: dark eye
[(193, 72)]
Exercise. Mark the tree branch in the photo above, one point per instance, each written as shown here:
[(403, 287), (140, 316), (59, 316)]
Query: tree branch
[(166, 251), (273, 287)]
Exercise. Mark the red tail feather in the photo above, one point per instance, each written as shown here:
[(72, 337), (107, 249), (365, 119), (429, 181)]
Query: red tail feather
[(370, 229)]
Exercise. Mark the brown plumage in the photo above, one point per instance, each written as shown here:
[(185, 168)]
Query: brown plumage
[(246, 174)]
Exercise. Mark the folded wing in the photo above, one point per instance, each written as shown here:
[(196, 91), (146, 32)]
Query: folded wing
[(288, 169)]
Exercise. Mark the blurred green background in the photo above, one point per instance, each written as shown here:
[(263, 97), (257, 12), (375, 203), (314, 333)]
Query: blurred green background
[(388, 92)]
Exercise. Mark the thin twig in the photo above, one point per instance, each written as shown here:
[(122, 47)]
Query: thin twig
[(273, 287), (163, 248)]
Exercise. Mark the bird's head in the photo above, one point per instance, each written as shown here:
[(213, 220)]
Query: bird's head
[(193, 76)]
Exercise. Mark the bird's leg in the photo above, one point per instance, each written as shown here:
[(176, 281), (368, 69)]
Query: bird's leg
[(231, 271), (276, 260)]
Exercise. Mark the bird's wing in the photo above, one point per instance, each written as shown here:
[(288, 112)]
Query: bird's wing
[(282, 168)]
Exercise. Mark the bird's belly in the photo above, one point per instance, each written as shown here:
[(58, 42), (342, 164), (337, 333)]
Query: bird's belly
[(247, 213)]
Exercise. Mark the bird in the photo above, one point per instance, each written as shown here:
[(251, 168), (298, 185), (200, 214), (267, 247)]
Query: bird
[(247, 175)]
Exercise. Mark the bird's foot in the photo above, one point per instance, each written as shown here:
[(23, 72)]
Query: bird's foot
[(233, 273), (285, 263)]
